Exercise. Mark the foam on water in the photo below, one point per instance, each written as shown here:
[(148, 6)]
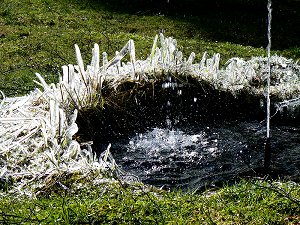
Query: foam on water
[(161, 154), (161, 143)]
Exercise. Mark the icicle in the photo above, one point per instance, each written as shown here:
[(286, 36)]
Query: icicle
[(154, 46), (191, 59), (216, 59), (95, 60), (71, 75), (81, 65), (43, 83), (65, 76), (104, 61), (203, 61)]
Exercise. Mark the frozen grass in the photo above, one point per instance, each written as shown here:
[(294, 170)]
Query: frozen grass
[(37, 129)]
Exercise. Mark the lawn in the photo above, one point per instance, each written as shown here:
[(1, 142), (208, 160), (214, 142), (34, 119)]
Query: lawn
[(39, 36), (249, 202)]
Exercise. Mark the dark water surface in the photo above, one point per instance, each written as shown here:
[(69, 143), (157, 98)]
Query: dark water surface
[(198, 156), (187, 134)]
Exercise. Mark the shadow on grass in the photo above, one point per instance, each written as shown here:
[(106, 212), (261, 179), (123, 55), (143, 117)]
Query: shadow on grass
[(237, 21)]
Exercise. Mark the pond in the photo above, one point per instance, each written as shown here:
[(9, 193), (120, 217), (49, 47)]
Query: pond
[(205, 155), (189, 135)]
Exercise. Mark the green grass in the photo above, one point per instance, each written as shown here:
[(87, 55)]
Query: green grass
[(244, 203), (39, 36)]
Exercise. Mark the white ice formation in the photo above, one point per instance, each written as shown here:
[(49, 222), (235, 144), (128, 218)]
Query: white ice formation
[(36, 130)]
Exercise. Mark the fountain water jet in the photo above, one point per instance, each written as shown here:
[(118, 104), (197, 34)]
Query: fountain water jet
[(268, 141)]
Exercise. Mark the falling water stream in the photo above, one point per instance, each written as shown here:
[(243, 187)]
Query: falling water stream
[(269, 67), (267, 158)]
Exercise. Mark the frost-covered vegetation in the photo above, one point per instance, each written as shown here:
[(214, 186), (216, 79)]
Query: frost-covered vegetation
[(37, 148)]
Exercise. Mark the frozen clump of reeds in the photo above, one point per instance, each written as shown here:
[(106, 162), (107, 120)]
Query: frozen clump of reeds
[(36, 146), (285, 75), (251, 74), (36, 130), (237, 73), (293, 106)]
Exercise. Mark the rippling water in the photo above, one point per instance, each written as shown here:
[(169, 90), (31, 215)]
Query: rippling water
[(198, 156)]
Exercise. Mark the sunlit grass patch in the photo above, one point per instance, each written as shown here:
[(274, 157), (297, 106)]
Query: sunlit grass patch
[(38, 36), (249, 202)]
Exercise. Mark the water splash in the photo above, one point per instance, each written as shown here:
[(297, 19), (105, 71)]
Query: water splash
[(159, 140), (163, 155), (196, 156)]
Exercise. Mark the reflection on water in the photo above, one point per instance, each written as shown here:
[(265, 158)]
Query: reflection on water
[(197, 156)]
